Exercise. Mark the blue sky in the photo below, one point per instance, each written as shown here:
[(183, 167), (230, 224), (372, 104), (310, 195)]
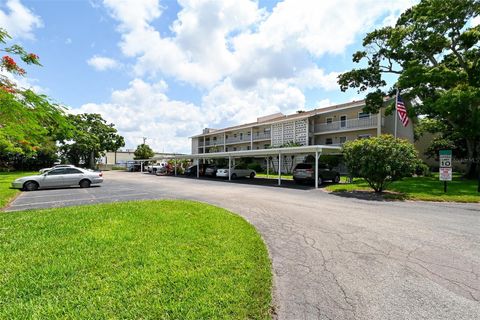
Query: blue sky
[(166, 69)]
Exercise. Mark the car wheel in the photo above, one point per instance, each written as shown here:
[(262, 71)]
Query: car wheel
[(320, 181), (252, 175), (234, 176), (85, 184), (337, 178), (30, 186)]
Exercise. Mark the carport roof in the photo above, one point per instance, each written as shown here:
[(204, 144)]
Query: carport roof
[(257, 153)]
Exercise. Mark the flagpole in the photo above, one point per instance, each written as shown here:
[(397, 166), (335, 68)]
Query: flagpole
[(396, 114)]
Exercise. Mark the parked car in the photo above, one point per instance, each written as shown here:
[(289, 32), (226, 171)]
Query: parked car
[(56, 166), (192, 170), (59, 177), (211, 171), (305, 172), (161, 167), (239, 171)]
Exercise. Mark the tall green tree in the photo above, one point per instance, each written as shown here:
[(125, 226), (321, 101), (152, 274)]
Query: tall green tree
[(143, 151), (435, 52), (93, 136)]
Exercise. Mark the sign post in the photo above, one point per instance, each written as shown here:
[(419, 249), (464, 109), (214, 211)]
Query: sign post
[(445, 167)]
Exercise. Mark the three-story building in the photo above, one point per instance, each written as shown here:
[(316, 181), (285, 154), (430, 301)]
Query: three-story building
[(333, 125)]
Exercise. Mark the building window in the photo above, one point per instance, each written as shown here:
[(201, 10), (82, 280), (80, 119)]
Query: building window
[(234, 135), (241, 136), (226, 149), (329, 120), (266, 146), (258, 147), (363, 115), (248, 147), (343, 121), (328, 141), (234, 148), (343, 139), (364, 136)]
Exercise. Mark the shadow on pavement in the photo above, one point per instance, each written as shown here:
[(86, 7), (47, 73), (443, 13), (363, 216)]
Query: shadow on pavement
[(255, 181), (370, 195)]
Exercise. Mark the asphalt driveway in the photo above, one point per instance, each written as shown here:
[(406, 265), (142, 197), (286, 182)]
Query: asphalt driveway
[(333, 257)]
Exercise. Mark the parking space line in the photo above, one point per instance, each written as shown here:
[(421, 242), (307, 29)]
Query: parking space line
[(74, 200)]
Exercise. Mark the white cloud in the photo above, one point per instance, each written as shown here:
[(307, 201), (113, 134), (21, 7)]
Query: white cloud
[(24, 82), (143, 110), (227, 105), (18, 20), (475, 21), (68, 41), (213, 40), (247, 61), (102, 63)]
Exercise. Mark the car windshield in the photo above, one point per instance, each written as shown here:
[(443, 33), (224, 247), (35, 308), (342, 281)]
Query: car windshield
[(303, 166)]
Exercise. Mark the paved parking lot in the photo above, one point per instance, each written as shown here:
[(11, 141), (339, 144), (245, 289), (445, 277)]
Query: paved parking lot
[(113, 190), (333, 257)]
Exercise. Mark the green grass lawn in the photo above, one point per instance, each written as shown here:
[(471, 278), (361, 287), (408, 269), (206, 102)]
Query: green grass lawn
[(274, 176), (6, 178), (132, 260), (420, 188)]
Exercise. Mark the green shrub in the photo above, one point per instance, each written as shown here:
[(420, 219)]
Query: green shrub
[(422, 169), (380, 160), (255, 166)]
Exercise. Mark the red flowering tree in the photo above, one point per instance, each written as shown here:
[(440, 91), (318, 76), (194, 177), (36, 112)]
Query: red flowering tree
[(30, 123)]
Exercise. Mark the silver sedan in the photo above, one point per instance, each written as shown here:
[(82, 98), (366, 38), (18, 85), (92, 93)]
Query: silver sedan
[(60, 177)]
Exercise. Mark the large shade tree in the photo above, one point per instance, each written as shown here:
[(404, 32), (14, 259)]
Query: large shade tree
[(434, 49), (143, 151), (93, 136)]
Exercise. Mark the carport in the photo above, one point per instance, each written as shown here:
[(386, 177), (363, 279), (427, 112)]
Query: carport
[(316, 150)]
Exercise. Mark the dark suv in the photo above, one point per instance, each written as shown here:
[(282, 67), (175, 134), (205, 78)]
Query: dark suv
[(305, 172)]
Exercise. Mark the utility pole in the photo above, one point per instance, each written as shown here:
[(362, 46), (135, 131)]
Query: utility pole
[(144, 139)]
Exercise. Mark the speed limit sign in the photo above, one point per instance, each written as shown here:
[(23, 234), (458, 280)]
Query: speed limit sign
[(445, 166), (446, 163)]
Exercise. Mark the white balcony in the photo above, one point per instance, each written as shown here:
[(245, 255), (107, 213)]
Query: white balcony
[(262, 136), (347, 125)]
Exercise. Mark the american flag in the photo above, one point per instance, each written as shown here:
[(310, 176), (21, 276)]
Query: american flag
[(402, 111)]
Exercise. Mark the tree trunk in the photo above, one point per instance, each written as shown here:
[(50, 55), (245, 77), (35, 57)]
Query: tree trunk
[(473, 159), (92, 160)]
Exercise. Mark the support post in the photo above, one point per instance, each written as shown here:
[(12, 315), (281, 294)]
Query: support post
[(198, 168), (268, 166), (396, 114), (316, 170), (251, 138), (229, 168), (141, 166), (175, 164), (279, 169)]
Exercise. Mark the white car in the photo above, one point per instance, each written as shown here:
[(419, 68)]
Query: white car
[(158, 167), (238, 171), (56, 166), (59, 177)]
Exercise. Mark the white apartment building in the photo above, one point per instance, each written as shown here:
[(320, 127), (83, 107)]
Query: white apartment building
[(333, 125)]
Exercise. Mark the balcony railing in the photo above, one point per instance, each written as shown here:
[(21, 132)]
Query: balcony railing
[(261, 136), (245, 138), (217, 142), (360, 123)]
